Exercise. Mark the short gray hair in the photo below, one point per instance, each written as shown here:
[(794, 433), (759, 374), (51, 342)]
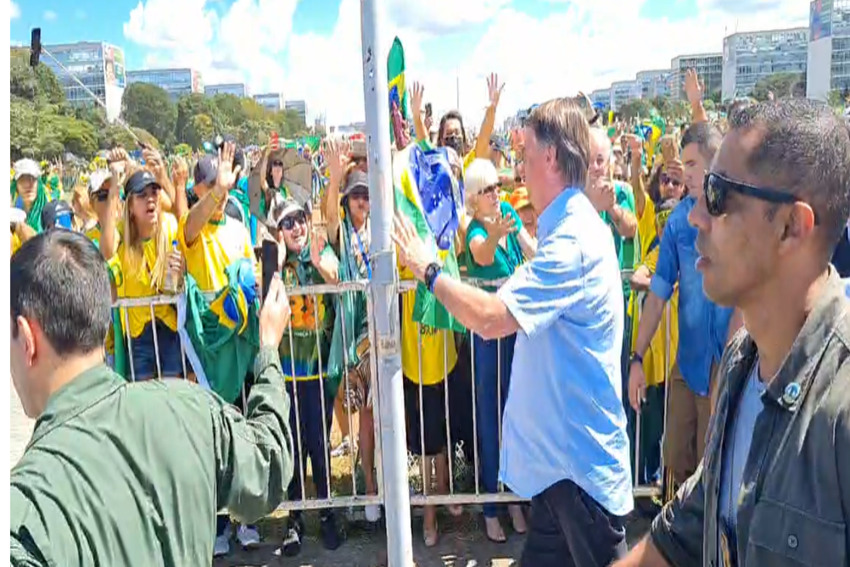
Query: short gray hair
[(561, 123)]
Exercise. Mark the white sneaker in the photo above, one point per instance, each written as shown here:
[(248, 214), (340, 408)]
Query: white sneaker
[(222, 545), (373, 513), (248, 536)]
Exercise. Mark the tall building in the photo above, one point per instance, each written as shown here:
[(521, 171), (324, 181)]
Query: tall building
[(601, 96), (299, 106), (623, 92), (709, 67), (235, 89), (828, 65), (176, 82), (653, 83), (749, 57), (271, 101), (99, 66)]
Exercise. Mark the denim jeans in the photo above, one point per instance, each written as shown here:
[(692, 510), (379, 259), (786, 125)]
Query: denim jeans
[(145, 353), (491, 392)]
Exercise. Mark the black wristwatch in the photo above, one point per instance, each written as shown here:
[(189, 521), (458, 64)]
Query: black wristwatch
[(635, 357), (431, 272)]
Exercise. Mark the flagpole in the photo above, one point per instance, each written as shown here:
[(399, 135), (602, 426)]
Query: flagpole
[(457, 89), (384, 292)]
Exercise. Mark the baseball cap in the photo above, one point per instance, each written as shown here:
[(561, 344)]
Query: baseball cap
[(288, 207), (26, 166), (356, 178), (519, 198), (206, 170), (97, 179), (57, 214), (139, 181)]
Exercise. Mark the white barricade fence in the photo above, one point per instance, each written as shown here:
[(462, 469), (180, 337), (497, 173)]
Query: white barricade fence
[(464, 483)]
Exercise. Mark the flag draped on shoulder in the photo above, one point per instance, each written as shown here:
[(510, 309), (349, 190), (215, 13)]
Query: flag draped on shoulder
[(397, 87), (428, 195), (221, 336)]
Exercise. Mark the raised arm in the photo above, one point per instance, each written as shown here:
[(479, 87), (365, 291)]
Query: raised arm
[(482, 144), (336, 154), (417, 92), (694, 89), (200, 214)]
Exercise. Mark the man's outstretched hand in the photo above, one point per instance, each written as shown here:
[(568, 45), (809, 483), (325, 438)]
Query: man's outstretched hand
[(274, 317), (412, 251)]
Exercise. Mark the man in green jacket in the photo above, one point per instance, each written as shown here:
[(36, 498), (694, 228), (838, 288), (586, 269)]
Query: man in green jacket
[(121, 473)]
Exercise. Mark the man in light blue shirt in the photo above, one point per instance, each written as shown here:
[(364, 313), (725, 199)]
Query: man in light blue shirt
[(564, 435), (704, 327)]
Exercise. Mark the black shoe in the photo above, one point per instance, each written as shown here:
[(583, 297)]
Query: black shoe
[(332, 537), (292, 542)]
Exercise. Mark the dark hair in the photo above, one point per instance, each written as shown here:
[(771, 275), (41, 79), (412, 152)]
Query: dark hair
[(59, 279), (269, 177), (451, 115), (654, 188), (804, 149), (561, 123), (706, 136)]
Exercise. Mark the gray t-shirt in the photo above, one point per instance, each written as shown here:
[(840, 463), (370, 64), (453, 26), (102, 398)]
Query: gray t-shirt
[(737, 449)]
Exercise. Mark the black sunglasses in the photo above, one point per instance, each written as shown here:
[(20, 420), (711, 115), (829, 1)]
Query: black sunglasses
[(277, 163), (665, 179), (100, 196), (490, 190), (717, 188), (288, 222), (362, 195)]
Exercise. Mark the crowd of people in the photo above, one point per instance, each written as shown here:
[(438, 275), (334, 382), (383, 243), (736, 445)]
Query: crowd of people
[(608, 276)]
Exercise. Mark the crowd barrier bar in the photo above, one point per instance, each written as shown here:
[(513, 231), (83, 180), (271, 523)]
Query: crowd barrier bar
[(359, 497)]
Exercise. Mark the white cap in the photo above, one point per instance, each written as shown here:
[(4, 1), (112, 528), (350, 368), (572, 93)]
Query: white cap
[(98, 178), (27, 166)]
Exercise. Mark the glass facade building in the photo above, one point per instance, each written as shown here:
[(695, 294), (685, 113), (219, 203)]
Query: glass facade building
[(709, 67), (271, 101), (176, 82), (749, 57), (235, 89)]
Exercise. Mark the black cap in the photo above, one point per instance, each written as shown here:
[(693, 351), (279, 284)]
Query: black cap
[(57, 214), (355, 179), (206, 170), (137, 182)]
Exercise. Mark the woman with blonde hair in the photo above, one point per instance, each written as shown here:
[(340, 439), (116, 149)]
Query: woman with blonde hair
[(146, 264), (497, 245)]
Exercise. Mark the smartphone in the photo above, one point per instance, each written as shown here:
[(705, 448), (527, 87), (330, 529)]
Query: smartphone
[(428, 110), (269, 261), (35, 47), (668, 149)]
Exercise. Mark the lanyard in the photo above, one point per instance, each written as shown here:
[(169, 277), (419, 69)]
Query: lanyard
[(363, 253)]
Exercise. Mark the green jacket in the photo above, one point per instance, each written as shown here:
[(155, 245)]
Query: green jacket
[(122, 473)]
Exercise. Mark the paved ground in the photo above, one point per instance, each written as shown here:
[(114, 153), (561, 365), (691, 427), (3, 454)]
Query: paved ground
[(462, 542)]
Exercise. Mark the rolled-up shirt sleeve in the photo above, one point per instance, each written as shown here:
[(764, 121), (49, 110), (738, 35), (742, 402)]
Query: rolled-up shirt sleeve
[(541, 290), (677, 531), (667, 269), (254, 453)]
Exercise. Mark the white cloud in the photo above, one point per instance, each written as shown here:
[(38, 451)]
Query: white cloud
[(579, 45), (14, 11), (49, 15)]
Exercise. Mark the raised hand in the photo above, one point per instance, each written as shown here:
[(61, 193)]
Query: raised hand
[(693, 88), (274, 317), (500, 227), (412, 251), (179, 172), (494, 89), (227, 174), (417, 94), (336, 156)]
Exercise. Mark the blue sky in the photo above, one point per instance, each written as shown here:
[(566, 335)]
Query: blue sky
[(310, 49)]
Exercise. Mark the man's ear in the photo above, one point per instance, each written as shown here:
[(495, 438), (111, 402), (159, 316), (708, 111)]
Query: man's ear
[(27, 335)]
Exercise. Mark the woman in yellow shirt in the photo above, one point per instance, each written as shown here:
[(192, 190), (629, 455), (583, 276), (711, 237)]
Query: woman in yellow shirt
[(146, 265)]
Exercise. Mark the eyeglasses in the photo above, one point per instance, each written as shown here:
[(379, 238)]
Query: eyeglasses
[(490, 190), (665, 179), (717, 188), (277, 163), (288, 222)]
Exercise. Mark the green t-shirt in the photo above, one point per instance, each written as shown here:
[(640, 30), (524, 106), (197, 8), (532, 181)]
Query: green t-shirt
[(310, 315), (506, 260), (625, 247)]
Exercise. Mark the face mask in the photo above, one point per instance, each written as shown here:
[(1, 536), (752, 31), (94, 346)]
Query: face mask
[(455, 143)]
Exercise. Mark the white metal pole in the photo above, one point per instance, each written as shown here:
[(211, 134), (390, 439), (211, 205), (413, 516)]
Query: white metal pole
[(383, 289)]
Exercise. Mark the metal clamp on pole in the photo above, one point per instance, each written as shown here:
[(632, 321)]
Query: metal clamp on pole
[(383, 294)]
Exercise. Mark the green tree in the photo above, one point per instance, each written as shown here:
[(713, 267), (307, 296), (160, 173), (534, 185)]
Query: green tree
[(836, 99), (145, 137), (187, 108), (200, 129), (636, 108), (150, 108), (782, 85), (38, 84)]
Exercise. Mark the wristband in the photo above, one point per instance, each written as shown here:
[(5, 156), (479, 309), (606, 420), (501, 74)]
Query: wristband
[(635, 357)]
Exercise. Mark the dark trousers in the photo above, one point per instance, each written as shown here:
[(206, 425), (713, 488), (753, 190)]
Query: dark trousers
[(568, 528), (651, 432), (314, 443), (241, 401), (491, 392)]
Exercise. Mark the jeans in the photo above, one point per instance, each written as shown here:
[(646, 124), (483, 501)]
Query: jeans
[(144, 353), (314, 442), (491, 392)]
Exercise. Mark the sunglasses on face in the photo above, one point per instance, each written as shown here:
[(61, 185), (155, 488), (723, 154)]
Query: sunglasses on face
[(717, 188), (666, 179), (360, 195), (288, 223), (489, 190), (277, 163)]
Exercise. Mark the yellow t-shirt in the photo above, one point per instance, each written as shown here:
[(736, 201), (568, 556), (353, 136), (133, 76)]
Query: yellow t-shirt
[(439, 353), (468, 159), (219, 244), (16, 243), (646, 234), (135, 281), (93, 234), (653, 360)]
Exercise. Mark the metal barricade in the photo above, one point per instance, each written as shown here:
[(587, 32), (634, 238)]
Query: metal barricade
[(463, 484)]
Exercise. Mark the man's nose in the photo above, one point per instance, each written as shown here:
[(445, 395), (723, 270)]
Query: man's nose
[(699, 217)]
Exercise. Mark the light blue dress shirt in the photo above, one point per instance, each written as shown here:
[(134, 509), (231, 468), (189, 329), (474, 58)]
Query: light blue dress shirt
[(564, 417), (703, 325)]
